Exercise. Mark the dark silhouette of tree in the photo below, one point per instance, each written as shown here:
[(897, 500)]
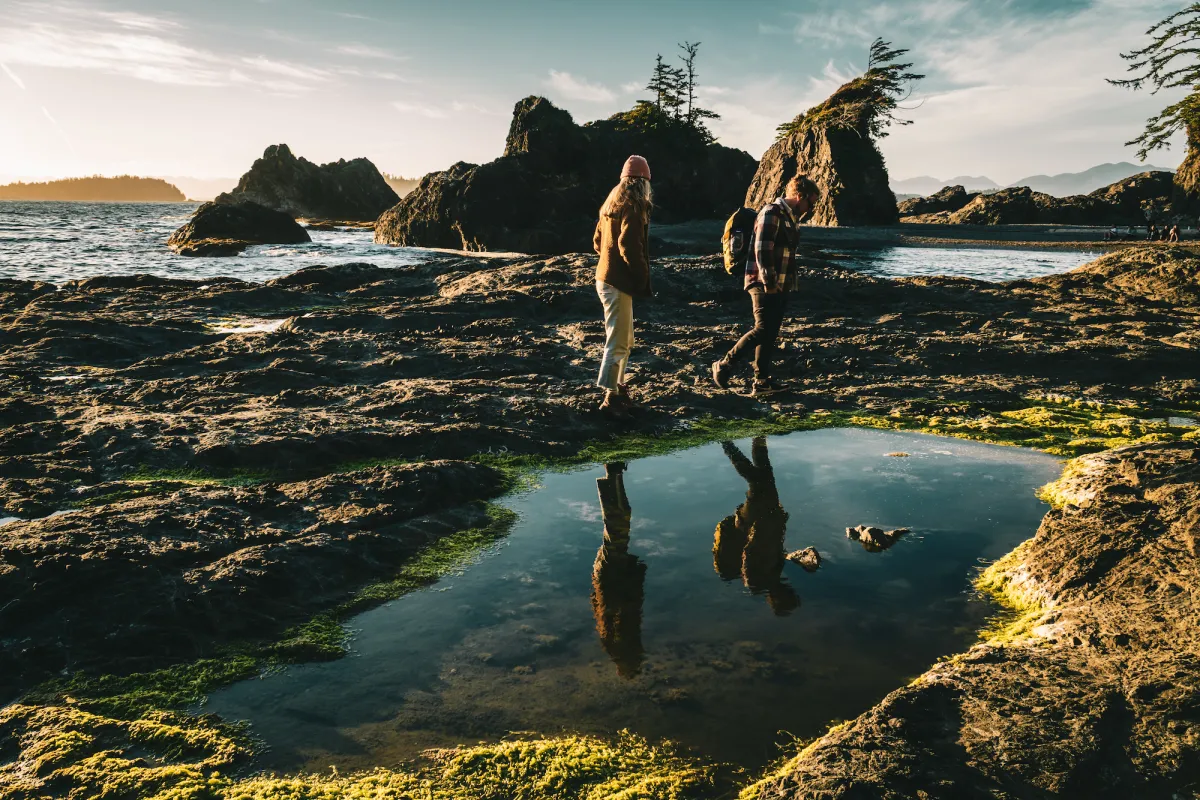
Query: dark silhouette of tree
[(695, 115), (867, 104), (1170, 61), (665, 83)]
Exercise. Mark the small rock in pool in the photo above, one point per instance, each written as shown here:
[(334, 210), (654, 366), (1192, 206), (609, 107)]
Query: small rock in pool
[(808, 558), (897, 454), (875, 539)]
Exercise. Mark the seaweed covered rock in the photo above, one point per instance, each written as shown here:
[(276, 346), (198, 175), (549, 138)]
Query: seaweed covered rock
[(950, 198), (226, 229), (342, 190), (542, 195)]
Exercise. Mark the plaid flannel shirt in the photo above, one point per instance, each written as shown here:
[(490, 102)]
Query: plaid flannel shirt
[(775, 236)]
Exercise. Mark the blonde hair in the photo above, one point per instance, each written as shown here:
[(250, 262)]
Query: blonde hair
[(630, 195)]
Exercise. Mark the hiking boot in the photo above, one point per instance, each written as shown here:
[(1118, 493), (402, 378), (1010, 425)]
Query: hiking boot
[(720, 374), (763, 387), (623, 392), (615, 406)]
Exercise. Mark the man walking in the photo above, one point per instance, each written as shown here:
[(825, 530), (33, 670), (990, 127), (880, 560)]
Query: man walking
[(770, 276)]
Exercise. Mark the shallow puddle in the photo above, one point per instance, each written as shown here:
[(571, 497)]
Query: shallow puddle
[(658, 599)]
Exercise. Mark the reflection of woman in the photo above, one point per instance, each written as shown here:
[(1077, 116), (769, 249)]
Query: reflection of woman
[(618, 578), (750, 541)]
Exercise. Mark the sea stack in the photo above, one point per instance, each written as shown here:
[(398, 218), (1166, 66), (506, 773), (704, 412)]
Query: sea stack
[(542, 195), (350, 191)]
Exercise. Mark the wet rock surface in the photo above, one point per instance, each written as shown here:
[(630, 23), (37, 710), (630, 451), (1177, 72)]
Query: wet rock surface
[(459, 355), (226, 229), (135, 583), (1094, 696), (543, 194), (119, 393), (340, 190)]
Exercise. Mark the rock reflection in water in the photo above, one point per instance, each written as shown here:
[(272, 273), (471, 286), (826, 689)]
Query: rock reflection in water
[(749, 542), (618, 578)]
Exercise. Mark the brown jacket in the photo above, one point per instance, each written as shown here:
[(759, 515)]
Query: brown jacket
[(623, 245)]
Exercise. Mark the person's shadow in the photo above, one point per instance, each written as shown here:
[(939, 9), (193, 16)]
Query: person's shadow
[(618, 578), (749, 542)]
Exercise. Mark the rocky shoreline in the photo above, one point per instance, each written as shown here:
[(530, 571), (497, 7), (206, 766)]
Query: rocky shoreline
[(364, 413)]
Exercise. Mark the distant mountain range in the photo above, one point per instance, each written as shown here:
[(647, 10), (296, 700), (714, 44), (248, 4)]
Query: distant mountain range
[(1062, 185)]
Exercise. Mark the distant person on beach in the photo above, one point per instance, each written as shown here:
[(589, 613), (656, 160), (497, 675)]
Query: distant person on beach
[(1173, 236), (1151, 233), (623, 272), (749, 542), (770, 276), (618, 578)]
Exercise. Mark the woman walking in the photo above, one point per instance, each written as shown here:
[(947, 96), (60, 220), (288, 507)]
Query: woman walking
[(622, 274)]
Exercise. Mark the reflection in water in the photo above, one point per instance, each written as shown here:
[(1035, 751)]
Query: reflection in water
[(618, 578), (749, 541)]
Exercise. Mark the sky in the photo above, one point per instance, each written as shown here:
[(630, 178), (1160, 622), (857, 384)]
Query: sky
[(159, 87)]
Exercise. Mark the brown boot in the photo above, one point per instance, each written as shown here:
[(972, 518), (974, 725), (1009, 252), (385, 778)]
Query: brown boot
[(615, 406)]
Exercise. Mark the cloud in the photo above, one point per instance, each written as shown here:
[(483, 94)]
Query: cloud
[(136, 46), (430, 112), (572, 88), (443, 112), (12, 75), (633, 87), (366, 51), (286, 70)]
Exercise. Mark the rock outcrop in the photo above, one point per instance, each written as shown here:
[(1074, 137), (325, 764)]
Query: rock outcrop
[(226, 229), (542, 195), (1091, 692), (343, 190), (948, 199), (832, 144), (1132, 201)]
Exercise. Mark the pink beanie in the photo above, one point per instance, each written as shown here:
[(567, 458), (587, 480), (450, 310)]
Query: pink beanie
[(636, 167)]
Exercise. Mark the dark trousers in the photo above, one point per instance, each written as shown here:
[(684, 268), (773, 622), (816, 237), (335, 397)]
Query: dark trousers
[(768, 317)]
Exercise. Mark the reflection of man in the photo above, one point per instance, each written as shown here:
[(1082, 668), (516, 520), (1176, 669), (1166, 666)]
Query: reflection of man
[(750, 541), (618, 578)]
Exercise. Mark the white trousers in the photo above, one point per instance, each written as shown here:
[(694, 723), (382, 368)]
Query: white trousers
[(618, 335)]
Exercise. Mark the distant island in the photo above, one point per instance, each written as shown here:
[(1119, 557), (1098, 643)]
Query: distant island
[(401, 185), (121, 189)]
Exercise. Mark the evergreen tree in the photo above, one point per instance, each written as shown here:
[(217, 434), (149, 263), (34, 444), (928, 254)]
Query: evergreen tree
[(664, 82), (687, 89), (1170, 61)]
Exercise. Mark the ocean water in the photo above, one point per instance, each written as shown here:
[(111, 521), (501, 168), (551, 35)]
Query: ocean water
[(655, 596), (980, 263), (58, 242)]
